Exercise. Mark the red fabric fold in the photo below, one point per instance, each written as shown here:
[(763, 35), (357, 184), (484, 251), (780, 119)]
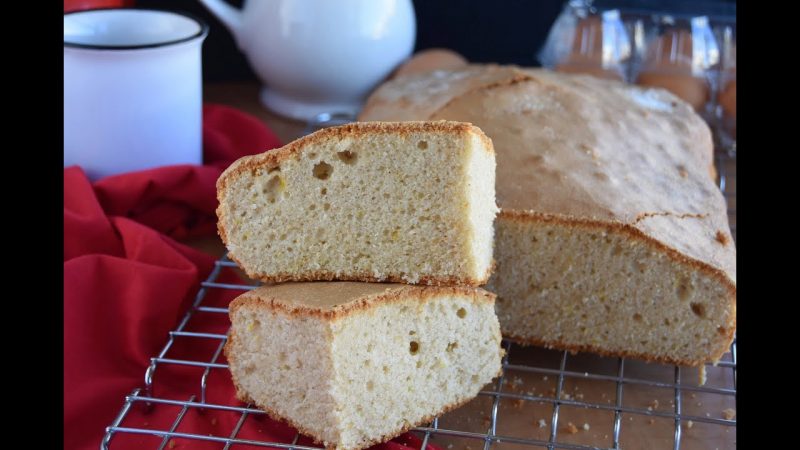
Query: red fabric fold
[(128, 282)]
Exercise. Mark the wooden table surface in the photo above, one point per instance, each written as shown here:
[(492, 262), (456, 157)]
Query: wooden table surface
[(521, 419), (244, 96)]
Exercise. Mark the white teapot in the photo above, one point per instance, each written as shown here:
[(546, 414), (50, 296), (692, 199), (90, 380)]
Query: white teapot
[(320, 56)]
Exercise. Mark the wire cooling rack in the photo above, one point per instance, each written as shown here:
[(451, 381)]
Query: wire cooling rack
[(544, 398)]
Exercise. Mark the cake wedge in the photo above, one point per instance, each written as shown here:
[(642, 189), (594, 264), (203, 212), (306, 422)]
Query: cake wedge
[(355, 364), (409, 202)]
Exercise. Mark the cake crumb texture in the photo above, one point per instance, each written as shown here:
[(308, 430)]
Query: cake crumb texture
[(366, 367), (406, 202)]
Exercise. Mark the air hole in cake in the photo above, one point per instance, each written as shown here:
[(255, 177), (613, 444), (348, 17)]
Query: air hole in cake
[(637, 317), (419, 364), (347, 157), (422, 145), (412, 332), (249, 369), (274, 187), (370, 385), (323, 191), (274, 169), (722, 330), (461, 313), (322, 170), (699, 309), (312, 155), (666, 321), (413, 347), (312, 207), (326, 206), (386, 369), (452, 346), (683, 290)]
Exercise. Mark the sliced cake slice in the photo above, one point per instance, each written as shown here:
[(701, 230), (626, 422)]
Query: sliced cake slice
[(408, 202), (355, 364)]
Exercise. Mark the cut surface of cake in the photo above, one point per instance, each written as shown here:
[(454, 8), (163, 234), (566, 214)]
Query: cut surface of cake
[(408, 202), (612, 236), (355, 364)]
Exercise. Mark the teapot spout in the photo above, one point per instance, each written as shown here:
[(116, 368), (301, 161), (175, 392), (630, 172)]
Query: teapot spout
[(231, 17)]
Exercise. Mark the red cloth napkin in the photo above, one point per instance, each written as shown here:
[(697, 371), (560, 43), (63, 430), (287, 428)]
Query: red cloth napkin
[(128, 282)]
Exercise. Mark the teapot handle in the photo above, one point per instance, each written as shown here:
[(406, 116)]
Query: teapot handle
[(231, 17)]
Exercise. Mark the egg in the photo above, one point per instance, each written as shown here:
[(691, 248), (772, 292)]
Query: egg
[(430, 60), (586, 55), (691, 89), (727, 99), (669, 66), (572, 66)]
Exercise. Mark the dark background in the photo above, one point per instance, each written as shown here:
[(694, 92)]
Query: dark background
[(504, 31)]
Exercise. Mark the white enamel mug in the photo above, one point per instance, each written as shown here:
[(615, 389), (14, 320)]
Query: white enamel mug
[(132, 90)]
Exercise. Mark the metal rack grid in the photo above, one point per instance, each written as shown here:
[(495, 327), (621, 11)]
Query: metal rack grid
[(482, 422)]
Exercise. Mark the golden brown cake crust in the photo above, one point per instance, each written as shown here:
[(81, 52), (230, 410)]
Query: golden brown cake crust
[(581, 158), (359, 298), (273, 158)]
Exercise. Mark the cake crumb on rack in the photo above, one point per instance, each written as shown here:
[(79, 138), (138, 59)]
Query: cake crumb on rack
[(701, 374), (571, 428), (586, 427), (517, 403), (544, 378), (449, 445), (728, 413), (651, 421), (171, 443), (213, 421), (653, 405), (689, 424), (542, 423)]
